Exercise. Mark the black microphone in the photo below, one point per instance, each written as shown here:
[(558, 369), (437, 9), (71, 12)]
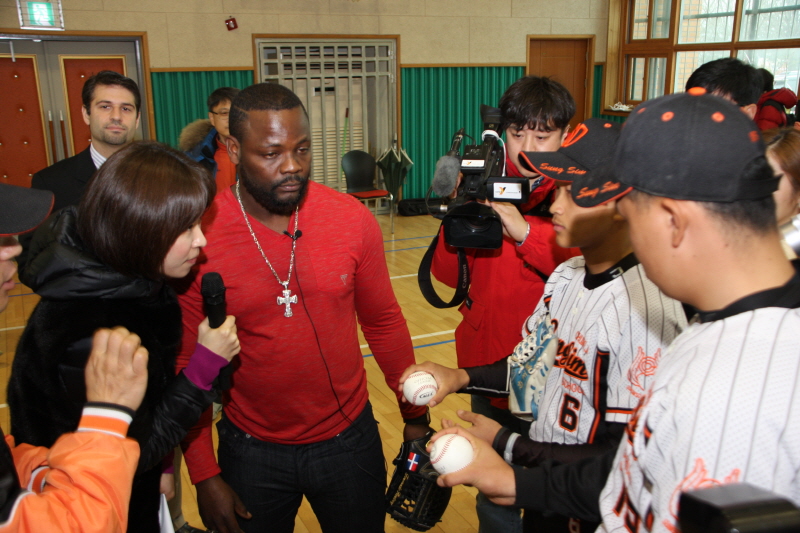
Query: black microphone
[(213, 290), (445, 177), (297, 235)]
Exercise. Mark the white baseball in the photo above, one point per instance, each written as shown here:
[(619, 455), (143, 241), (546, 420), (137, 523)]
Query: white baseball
[(419, 388), (451, 453)]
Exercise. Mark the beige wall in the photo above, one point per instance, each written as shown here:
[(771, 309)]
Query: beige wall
[(192, 33)]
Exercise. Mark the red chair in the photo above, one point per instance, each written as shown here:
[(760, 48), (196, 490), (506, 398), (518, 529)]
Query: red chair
[(359, 173)]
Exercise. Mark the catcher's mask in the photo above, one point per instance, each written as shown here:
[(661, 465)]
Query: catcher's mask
[(413, 498)]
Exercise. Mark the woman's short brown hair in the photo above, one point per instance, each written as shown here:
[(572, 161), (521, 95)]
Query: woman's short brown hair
[(784, 145), (138, 203)]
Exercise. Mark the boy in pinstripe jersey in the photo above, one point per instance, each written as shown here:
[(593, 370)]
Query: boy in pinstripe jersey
[(723, 406), (608, 323)]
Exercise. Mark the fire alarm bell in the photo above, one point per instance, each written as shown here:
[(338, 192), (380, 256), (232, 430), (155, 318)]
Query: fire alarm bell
[(231, 24)]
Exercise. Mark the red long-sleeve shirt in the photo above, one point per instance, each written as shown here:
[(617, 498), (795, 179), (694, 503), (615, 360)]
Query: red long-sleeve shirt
[(505, 286), (281, 390)]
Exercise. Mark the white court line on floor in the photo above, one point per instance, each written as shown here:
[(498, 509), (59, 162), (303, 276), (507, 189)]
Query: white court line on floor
[(14, 327), (3, 405), (403, 276), (423, 336)]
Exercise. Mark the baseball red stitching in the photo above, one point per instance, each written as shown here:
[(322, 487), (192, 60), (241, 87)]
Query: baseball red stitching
[(441, 454)]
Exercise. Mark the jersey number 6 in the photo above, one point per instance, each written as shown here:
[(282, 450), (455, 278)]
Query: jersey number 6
[(568, 417)]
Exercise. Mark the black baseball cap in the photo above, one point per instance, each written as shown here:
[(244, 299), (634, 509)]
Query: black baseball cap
[(585, 159), (690, 146), (22, 209)]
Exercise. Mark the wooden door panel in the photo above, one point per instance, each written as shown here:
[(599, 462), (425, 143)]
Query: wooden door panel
[(75, 70), (23, 149), (566, 61)]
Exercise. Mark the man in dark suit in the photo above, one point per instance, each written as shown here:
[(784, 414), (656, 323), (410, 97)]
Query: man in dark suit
[(111, 109)]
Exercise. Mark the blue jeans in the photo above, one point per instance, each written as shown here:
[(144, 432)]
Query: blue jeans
[(344, 478), (495, 518)]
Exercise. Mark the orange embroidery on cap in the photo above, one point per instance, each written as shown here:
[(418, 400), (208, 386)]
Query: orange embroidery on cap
[(717, 117), (607, 125), (641, 110), (696, 91), (551, 168), (754, 136), (576, 135), (610, 186), (586, 192), (574, 170), (666, 117)]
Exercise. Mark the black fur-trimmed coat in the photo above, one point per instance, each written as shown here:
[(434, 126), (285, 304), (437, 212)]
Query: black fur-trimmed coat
[(46, 391)]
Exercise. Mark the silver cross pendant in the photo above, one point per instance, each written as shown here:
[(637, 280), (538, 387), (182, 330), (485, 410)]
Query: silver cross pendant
[(287, 299)]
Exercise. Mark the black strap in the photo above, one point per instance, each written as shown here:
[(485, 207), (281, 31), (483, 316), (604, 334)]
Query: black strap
[(424, 278)]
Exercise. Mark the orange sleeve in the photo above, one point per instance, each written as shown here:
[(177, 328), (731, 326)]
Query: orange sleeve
[(85, 484)]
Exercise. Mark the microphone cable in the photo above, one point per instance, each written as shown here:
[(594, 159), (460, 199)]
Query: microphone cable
[(382, 482)]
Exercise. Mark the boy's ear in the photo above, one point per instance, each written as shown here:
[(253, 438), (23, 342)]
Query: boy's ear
[(677, 219), (564, 135), (616, 217)]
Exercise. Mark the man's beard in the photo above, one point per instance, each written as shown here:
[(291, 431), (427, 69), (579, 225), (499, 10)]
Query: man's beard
[(114, 139), (268, 198)]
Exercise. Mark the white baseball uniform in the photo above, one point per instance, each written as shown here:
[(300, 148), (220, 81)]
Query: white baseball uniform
[(724, 407), (612, 330)]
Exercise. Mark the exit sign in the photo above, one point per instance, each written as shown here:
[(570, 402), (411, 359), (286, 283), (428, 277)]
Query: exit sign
[(41, 15)]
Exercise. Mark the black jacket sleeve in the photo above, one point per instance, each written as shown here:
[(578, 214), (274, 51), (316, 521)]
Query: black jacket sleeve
[(567, 489), (530, 453), (180, 408), (488, 380)]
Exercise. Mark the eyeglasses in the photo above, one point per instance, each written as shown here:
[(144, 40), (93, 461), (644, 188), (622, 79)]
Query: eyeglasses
[(223, 114)]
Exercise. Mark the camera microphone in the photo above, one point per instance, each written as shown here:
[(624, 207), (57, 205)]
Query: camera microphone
[(455, 145), (297, 235), (445, 177)]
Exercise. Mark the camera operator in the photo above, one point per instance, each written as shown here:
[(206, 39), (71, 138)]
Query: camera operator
[(507, 282)]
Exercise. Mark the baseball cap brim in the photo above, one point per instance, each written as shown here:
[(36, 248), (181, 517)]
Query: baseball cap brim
[(598, 187), (22, 209), (554, 165)]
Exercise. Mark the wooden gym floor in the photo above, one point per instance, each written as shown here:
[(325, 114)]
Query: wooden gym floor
[(432, 335)]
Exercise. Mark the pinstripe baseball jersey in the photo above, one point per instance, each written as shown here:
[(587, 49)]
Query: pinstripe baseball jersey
[(612, 330), (724, 407)]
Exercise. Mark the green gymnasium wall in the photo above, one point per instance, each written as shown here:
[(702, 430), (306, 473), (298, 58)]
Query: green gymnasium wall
[(180, 97), (436, 102)]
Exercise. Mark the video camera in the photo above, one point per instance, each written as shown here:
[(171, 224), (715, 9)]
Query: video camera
[(467, 223)]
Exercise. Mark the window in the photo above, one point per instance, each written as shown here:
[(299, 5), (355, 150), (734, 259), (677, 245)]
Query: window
[(348, 87), (663, 41)]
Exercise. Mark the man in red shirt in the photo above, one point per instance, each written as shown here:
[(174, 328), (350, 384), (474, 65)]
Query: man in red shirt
[(302, 264)]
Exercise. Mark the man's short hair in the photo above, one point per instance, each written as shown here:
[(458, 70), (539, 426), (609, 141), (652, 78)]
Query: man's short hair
[(260, 97), (769, 79), (730, 78), (109, 77), (138, 203), (537, 102), (220, 95)]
